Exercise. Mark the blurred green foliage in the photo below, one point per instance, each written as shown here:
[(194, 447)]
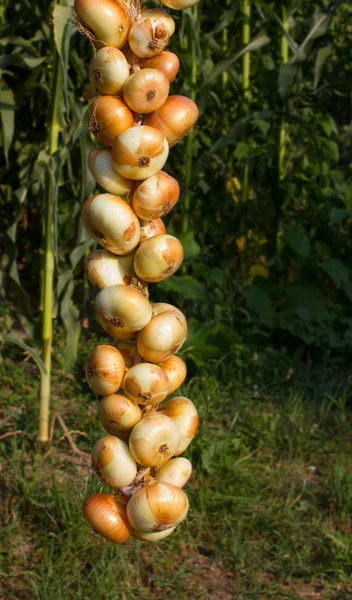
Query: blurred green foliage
[(272, 265)]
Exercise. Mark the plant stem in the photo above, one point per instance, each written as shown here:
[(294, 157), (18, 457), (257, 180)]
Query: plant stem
[(282, 136), (225, 46), (246, 71), (49, 262), (191, 43)]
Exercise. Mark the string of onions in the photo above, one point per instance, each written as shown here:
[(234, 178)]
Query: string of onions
[(136, 122)]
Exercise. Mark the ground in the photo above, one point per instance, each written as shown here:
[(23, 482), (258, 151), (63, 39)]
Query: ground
[(270, 494)]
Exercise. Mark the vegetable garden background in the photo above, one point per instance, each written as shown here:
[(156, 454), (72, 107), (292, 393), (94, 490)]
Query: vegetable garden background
[(265, 221)]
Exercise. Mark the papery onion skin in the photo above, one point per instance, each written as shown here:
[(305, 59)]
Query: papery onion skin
[(107, 515), (140, 152), (115, 332), (157, 507), (112, 223), (163, 336), (184, 413), (155, 536), (156, 196), (101, 167), (109, 117), (161, 307), (179, 4), (108, 71), (124, 308), (146, 384), (118, 415), (105, 370), (150, 35), (108, 20), (104, 269), (113, 461), (167, 62), (151, 228), (146, 90), (176, 471), (158, 258), (154, 440), (175, 118), (176, 371), (129, 352)]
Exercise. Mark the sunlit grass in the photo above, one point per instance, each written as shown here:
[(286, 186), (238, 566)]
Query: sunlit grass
[(270, 494)]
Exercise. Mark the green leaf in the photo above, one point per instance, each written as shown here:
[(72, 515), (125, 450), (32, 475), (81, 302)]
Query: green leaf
[(259, 302), (243, 150), (337, 271), (296, 237), (14, 338), (70, 316), (322, 56), (7, 109), (33, 62), (319, 28), (63, 31), (307, 302), (206, 341), (191, 248), (337, 215), (80, 251), (258, 42), (186, 286), (287, 77)]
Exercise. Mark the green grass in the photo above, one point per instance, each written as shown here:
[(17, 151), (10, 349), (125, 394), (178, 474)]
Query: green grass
[(271, 492)]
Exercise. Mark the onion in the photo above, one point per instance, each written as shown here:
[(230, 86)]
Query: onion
[(107, 515), (150, 35), (163, 336), (154, 440), (140, 152), (176, 471), (105, 370), (184, 413), (108, 118), (129, 352), (167, 62), (118, 415), (179, 4), (111, 222), (103, 171), (158, 258), (155, 196), (108, 70), (146, 90), (146, 384), (113, 462), (156, 536), (151, 228), (161, 307), (176, 371), (175, 118), (124, 308), (156, 507), (108, 19), (104, 269)]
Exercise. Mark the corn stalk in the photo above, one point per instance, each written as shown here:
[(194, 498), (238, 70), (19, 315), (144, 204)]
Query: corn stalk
[(191, 44), (284, 60), (246, 71), (47, 279)]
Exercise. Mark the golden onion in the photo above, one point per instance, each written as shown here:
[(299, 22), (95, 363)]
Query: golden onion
[(140, 152), (107, 515)]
